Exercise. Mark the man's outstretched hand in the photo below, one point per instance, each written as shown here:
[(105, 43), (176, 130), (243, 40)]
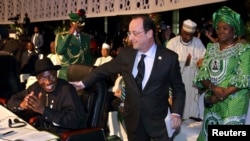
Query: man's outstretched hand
[(78, 85)]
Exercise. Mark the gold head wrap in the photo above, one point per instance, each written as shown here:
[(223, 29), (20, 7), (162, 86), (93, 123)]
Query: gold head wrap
[(230, 17)]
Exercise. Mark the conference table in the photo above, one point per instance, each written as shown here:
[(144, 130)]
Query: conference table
[(13, 128)]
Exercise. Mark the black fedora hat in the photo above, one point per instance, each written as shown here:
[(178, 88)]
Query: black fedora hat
[(43, 65)]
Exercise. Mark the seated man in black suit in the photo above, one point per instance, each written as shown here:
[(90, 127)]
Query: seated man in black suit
[(53, 100), (28, 59)]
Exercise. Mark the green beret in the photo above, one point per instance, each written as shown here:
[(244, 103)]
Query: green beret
[(73, 17), (230, 17), (78, 17)]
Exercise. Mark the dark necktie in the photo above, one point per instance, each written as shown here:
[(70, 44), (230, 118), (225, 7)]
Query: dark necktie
[(78, 37), (141, 70)]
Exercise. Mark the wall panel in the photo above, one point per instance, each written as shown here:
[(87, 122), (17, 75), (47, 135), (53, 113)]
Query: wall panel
[(49, 10)]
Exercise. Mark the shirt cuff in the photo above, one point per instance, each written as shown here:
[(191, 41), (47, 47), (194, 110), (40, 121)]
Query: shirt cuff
[(176, 114)]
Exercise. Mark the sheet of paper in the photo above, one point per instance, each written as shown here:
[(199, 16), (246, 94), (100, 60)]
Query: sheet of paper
[(6, 115), (29, 135), (168, 122), (26, 133)]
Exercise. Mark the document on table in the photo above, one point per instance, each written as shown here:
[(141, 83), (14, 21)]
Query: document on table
[(168, 122), (28, 135)]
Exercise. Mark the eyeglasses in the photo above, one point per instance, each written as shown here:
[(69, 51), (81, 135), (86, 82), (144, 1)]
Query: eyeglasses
[(43, 79), (134, 33)]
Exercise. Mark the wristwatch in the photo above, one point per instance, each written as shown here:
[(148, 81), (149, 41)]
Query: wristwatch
[(207, 101)]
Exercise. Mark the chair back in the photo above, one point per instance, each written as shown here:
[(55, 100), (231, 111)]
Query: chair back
[(3, 102), (9, 75), (91, 134), (93, 98)]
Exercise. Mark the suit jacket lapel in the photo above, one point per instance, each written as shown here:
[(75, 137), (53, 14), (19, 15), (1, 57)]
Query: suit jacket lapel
[(156, 66), (131, 61)]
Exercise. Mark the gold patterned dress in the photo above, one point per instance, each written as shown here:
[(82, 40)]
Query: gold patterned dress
[(229, 67)]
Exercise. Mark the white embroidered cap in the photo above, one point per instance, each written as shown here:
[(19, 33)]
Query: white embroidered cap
[(189, 26), (106, 46)]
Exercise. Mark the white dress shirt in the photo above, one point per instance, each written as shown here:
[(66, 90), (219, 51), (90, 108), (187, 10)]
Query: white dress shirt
[(149, 61)]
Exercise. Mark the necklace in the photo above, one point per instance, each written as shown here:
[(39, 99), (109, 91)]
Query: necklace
[(229, 46)]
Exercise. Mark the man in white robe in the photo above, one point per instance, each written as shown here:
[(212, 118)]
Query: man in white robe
[(191, 51), (105, 55)]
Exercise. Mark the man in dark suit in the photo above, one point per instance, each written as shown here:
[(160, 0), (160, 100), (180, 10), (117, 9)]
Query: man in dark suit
[(146, 109), (14, 47), (37, 39), (28, 59), (26, 24)]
